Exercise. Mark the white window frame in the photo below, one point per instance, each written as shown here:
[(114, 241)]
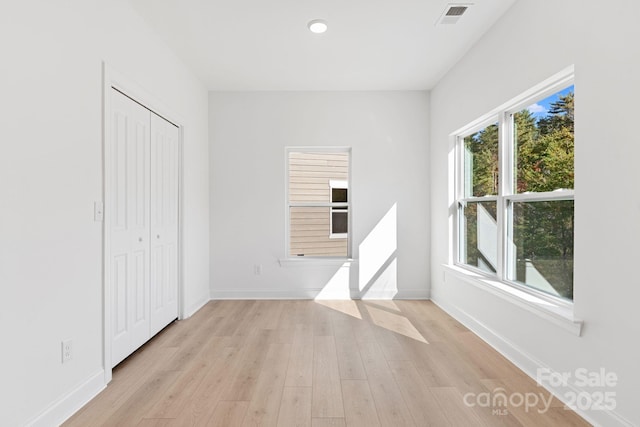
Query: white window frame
[(341, 184), (461, 198), (288, 205), (506, 194)]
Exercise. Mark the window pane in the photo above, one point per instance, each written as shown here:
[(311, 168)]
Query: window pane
[(479, 232), (544, 144), (310, 231), (339, 195), (481, 162), (310, 175), (339, 221), (316, 180), (542, 252)]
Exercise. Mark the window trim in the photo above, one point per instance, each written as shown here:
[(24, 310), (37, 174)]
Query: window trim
[(287, 205), (552, 311), (340, 184), (333, 235), (506, 195)]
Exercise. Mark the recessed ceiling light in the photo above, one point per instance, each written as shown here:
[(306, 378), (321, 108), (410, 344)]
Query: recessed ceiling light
[(317, 26)]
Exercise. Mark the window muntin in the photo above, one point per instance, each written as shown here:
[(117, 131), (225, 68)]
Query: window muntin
[(533, 214), (318, 202)]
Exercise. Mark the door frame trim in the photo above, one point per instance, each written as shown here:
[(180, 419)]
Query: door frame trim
[(116, 80)]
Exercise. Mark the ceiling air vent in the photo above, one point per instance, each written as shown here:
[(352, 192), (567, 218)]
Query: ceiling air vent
[(452, 13)]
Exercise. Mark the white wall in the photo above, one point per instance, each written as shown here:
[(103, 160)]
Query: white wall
[(533, 41), (50, 175), (388, 133)]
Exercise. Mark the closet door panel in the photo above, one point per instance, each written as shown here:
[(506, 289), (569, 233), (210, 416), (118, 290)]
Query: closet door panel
[(119, 294), (164, 222), (129, 225)]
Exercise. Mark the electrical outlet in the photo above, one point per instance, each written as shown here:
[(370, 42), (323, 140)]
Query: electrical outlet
[(67, 351), (257, 269)]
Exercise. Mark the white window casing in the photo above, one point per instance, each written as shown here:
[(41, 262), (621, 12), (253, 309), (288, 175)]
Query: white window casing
[(506, 195)]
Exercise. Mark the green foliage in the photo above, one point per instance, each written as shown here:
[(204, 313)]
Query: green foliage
[(543, 231), (543, 236), (481, 150), (544, 151)]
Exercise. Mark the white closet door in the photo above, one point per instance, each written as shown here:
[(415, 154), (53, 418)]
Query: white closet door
[(129, 225), (164, 223)]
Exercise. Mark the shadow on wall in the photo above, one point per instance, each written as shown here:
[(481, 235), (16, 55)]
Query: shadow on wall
[(375, 275)]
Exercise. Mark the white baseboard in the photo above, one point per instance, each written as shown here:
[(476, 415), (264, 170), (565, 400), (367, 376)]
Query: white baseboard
[(230, 294), (529, 365), (193, 308), (67, 405), (311, 293), (417, 294)]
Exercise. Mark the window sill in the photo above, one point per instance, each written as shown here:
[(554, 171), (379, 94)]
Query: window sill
[(555, 313), (311, 261)]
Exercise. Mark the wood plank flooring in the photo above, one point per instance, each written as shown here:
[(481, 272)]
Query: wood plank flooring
[(317, 364)]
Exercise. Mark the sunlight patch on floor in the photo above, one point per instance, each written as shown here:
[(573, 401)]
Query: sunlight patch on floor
[(348, 307), (388, 304), (395, 323)]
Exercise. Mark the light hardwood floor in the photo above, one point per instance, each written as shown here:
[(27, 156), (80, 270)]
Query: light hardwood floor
[(318, 364)]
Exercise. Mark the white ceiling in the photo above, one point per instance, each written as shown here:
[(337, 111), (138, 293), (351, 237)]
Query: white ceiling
[(370, 44)]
